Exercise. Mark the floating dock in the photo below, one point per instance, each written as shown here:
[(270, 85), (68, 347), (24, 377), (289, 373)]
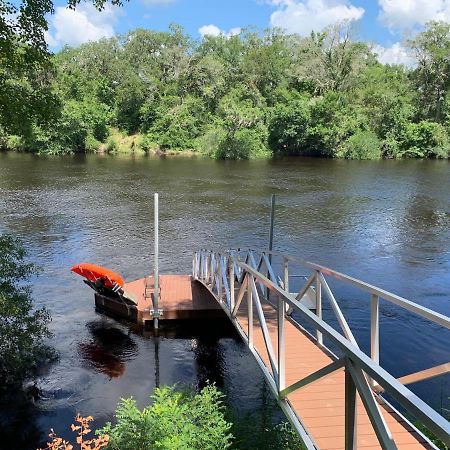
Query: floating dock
[(334, 399), (180, 298)]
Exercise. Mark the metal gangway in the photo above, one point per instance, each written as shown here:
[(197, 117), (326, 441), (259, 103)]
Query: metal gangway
[(332, 392)]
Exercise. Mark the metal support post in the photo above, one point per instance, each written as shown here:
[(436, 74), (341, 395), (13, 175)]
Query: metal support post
[(350, 412), (319, 305), (281, 347), (375, 329), (231, 278), (156, 267), (250, 312), (272, 221)]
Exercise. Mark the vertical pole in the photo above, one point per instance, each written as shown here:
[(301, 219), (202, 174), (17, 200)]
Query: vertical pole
[(281, 346), (350, 411), (156, 340), (319, 305), (272, 220), (250, 312), (286, 274), (156, 267), (374, 331), (231, 277), (286, 280)]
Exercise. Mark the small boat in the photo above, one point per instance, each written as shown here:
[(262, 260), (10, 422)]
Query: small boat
[(109, 289), (100, 276)]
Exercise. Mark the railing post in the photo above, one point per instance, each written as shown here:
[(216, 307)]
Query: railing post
[(211, 269), (286, 274), (281, 347), (319, 305), (375, 329), (231, 277), (250, 312), (350, 411), (219, 277), (286, 279)]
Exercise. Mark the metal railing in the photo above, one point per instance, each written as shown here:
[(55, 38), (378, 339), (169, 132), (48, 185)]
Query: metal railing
[(231, 275)]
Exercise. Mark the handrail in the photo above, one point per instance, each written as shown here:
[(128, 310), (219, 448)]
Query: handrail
[(420, 310), (231, 272), (429, 417)]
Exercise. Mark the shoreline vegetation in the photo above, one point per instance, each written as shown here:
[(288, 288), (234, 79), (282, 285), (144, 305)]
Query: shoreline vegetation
[(256, 94)]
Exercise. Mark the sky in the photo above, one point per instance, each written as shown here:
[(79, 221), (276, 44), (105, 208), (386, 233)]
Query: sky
[(383, 23)]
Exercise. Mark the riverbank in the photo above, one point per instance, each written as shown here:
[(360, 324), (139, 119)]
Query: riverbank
[(118, 142)]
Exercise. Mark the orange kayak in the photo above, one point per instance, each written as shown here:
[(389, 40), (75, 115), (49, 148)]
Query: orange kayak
[(93, 273)]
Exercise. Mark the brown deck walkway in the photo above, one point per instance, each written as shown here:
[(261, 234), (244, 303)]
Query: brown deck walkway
[(320, 405), (180, 298)]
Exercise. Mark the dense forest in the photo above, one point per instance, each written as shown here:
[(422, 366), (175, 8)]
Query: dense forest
[(255, 94)]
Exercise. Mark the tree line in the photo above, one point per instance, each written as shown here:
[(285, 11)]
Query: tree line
[(255, 94)]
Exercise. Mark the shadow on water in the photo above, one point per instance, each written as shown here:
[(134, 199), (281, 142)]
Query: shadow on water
[(108, 350), (19, 426)]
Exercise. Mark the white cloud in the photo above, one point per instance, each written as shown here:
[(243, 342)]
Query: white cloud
[(84, 24), (213, 30), (209, 30), (396, 54), (398, 14), (304, 16)]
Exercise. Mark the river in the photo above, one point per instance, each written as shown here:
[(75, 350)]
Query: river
[(386, 222)]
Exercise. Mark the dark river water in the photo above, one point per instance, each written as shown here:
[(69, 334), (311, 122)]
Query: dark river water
[(386, 222)]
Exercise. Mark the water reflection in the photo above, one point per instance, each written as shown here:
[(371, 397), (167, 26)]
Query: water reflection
[(108, 350)]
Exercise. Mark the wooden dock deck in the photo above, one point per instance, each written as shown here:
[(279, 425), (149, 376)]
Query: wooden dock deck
[(328, 397), (321, 405), (180, 298)]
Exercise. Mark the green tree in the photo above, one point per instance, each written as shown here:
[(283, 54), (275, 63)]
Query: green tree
[(432, 75), (26, 66), (385, 95), (330, 60), (22, 327), (288, 128)]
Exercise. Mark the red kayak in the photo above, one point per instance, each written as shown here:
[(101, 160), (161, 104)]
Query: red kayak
[(93, 273)]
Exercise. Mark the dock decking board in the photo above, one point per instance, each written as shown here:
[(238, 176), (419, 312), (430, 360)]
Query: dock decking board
[(321, 405), (180, 298)]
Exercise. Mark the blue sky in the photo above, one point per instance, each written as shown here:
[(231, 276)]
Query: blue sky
[(384, 23)]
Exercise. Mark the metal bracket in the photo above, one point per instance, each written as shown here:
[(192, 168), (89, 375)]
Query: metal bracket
[(159, 313)]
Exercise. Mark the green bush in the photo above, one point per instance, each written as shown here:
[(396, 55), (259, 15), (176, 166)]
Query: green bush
[(288, 128), (333, 122), (112, 144), (146, 143), (209, 143), (178, 123), (425, 139), (175, 421), (362, 145), (22, 327), (14, 143), (91, 144), (247, 143)]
